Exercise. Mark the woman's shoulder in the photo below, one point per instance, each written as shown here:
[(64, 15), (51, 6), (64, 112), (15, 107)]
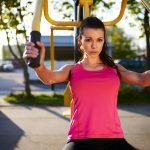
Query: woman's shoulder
[(67, 67), (71, 67)]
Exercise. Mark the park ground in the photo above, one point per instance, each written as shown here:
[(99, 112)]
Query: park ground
[(24, 127)]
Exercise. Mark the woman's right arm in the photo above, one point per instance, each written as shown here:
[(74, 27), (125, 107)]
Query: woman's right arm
[(45, 75)]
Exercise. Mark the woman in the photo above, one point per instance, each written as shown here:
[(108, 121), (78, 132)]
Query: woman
[(94, 83)]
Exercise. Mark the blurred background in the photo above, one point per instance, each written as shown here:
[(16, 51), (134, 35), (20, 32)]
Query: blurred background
[(128, 41)]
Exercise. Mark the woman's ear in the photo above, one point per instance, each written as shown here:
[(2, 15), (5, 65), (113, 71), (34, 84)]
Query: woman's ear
[(80, 44), (79, 41)]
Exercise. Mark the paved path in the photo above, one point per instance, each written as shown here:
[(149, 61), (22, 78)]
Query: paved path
[(13, 82), (32, 128), (45, 128)]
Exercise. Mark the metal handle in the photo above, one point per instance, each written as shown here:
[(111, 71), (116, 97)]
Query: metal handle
[(57, 23), (34, 37)]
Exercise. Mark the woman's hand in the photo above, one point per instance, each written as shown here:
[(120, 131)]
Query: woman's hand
[(32, 52)]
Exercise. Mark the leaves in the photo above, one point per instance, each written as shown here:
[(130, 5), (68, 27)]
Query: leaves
[(67, 5), (20, 32), (12, 15), (122, 48), (66, 8), (140, 14), (12, 22)]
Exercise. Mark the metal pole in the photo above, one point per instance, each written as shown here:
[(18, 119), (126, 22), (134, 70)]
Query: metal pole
[(78, 15), (52, 56), (35, 35)]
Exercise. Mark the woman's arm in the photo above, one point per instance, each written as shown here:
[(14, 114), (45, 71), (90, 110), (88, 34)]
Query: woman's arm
[(131, 77), (45, 75), (50, 77)]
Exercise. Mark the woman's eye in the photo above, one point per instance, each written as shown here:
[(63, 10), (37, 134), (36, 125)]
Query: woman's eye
[(87, 40), (100, 40)]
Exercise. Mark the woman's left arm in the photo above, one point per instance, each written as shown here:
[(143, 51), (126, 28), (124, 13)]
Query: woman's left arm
[(131, 77)]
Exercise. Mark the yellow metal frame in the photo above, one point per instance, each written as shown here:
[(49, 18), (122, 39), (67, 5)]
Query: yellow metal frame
[(122, 10), (67, 93), (87, 4), (57, 23), (52, 53), (37, 16)]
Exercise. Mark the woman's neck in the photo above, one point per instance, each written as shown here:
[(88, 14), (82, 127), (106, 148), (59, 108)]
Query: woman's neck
[(91, 61)]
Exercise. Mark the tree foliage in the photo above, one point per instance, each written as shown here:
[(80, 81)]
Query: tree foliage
[(140, 14), (122, 44), (66, 7), (12, 23)]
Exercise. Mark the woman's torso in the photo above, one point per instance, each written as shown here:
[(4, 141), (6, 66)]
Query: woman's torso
[(95, 103)]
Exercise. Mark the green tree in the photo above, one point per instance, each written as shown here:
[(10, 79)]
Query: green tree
[(122, 44), (12, 23), (66, 7), (141, 15)]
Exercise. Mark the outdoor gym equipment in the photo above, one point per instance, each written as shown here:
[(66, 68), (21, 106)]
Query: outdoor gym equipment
[(82, 9)]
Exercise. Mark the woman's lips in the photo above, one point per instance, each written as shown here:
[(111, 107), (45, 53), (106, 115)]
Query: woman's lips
[(93, 52)]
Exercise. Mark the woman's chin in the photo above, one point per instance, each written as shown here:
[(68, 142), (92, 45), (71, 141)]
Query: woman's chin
[(93, 56)]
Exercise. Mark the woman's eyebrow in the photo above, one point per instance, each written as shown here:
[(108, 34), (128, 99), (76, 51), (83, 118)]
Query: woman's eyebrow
[(87, 37), (92, 37), (100, 37)]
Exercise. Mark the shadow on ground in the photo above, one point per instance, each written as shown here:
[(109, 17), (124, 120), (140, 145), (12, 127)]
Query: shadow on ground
[(8, 127), (139, 109)]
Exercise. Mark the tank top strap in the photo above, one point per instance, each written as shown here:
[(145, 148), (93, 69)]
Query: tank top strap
[(75, 68)]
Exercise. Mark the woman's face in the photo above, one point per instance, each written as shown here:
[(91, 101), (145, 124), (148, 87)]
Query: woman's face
[(92, 42)]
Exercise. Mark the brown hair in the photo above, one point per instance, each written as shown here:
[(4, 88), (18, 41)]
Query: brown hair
[(94, 22)]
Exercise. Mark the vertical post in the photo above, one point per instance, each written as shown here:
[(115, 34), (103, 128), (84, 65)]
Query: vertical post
[(52, 55), (35, 35), (86, 10), (76, 52), (78, 15)]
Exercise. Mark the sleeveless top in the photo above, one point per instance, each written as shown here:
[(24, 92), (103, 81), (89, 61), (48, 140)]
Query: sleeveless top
[(94, 103)]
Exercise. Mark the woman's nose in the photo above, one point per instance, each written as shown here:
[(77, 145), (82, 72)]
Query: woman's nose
[(94, 44)]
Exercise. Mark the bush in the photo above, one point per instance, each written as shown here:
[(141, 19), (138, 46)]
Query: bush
[(133, 95), (41, 99)]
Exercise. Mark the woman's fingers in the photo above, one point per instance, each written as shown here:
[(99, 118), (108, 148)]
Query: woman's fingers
[(32, 52), (42, 52), (40, 44), (29, 43)]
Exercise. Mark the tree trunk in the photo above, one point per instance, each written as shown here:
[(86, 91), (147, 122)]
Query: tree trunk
[(26, 80), (24, 67), (10, 49), (25, 71), (147, 35)]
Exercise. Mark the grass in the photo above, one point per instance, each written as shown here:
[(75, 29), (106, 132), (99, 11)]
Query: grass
[(127, 95), (41, 99)]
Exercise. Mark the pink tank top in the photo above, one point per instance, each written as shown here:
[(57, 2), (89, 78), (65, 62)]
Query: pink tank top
[(95, 103)]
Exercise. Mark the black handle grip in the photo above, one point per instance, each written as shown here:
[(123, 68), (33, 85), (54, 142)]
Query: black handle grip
[(34, 37)]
